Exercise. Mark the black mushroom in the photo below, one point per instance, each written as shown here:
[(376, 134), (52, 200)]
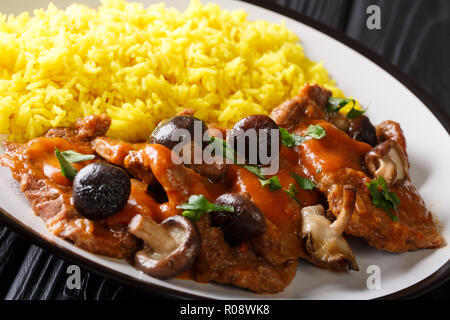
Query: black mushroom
[(361, 129), (244, 224), (254, 138), (170, 247), (100, 190), (168, 133), (324, 240), (389, 161), (172, 132)]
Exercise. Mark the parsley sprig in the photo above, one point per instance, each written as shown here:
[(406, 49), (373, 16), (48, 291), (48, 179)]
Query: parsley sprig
[(273, 183), (197, 205), (293, 192), (383, 198), (304, 183), (65, 159), (290, 140)]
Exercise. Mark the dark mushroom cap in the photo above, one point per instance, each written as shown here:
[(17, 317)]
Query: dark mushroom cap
[(361, 129), (257, 122), (171, 264), (244, 224), (100, 190), (165, 132)]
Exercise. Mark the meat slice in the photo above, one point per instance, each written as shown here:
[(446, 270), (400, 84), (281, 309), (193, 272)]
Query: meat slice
[(50, 194), (310, 104), (243, 265), (115, 151), (335, 161), (92, 126), (85, 128), (36, 168)]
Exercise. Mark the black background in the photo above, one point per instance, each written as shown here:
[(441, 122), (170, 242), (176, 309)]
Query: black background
[(415, 37)]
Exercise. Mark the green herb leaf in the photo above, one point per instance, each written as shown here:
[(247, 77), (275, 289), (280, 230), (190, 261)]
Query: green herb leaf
[(226, 152), (273, 183), (230, 153), (383, 198), (355, 113), (192, 215), (304, 183), (74, 157), (292, 191), (316, 132), (197, 205), (255, 170), (290, 140), (67, 170), (336, 104)]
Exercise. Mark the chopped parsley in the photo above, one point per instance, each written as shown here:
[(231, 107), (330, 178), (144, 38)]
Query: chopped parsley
[(293, 192), (290, 140), (304, 183), (355, 113), (383, 198), (255, 170), (197, 205), (273, 183), (316, 132), (227, 151)]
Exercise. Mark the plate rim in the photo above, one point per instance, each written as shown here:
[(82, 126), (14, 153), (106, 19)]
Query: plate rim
[(414, 290)]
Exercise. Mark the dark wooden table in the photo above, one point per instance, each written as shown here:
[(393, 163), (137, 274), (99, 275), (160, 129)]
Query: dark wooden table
[(414, 36)]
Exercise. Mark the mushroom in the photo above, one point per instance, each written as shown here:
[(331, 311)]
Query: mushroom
[(387, 160), (338, 120), (361, 129), (170, 247), (171, 132), (324, 240), (246, 222)]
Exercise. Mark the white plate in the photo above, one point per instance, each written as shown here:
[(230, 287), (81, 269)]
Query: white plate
[(428, 149)]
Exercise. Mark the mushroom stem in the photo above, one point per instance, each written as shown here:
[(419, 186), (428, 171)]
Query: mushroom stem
[(348, 206), (158, 238), (387, 169), (389, 161)]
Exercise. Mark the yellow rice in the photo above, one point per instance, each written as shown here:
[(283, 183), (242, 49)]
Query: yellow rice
[(142, 65)]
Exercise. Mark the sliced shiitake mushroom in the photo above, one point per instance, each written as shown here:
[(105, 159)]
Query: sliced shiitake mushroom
[(170, 247), (389, 161), (324, 240)]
